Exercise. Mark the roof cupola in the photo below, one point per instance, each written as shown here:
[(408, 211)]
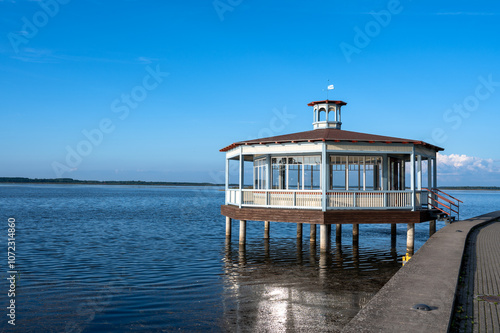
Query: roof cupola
[(327, 114)]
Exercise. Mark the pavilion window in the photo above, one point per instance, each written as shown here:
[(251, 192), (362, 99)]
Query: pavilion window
[(259, 174), (337, 172), (312, 173), (279, 173), (295, 173), (355, 173), (355, 166), (373, 167)]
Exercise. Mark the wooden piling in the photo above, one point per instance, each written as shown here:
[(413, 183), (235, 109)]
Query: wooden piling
[(313, 233), (267, 225), (299, 231), (393, 235), (355, 234), (338, 233), (228, 227)]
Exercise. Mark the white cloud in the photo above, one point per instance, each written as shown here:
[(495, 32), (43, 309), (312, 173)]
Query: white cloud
[(457, 170), (464, 163)]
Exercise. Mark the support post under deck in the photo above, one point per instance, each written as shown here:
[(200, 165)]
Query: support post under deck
[(323, 234), (313, 233), (338, 233), (243, 231), (410, 238), (355, 234), (228, 227), (299, 230)]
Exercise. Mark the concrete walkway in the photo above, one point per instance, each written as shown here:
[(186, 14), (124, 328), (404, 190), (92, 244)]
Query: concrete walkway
[(478, 300), (430, 277)]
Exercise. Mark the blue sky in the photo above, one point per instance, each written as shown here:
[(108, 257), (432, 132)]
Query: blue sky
[(151, 90)]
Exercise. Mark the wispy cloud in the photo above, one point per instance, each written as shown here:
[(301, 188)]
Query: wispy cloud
[(466, 13), (34, 55)]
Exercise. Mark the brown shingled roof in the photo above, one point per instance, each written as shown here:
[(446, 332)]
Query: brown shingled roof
[(330, 134)]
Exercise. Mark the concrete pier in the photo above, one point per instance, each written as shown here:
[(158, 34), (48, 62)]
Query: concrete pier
[(243, 231), (228, 227), (410, 238), (267, 225)]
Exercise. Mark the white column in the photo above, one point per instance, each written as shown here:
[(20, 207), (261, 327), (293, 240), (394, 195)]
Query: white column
[(227, 178), (434, 173), (364, 173), (324, 178), (347, 173), (419, 172), (429, 173), (242, 171), (412, 172), (269, 173)]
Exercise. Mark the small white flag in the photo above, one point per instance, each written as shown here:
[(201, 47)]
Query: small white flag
[(330, 87)]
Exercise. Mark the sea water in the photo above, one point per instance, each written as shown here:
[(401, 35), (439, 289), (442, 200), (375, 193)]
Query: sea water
[(155, 259)]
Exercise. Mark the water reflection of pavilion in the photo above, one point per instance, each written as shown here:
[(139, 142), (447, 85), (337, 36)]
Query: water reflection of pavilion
[(281, 287)]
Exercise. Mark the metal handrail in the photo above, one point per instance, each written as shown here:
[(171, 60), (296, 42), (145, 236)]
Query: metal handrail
[(433, 193), (436, 189)]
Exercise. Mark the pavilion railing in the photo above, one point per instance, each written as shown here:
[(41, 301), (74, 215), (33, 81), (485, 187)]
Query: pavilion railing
[(311, 199)]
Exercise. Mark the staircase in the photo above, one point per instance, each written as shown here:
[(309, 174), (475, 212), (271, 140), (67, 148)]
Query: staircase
[(448, 205)]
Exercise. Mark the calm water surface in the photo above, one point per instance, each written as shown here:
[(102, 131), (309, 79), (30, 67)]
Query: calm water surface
[(125, 258)]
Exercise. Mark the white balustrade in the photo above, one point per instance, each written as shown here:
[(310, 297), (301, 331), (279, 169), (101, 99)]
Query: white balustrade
[(312, 199)]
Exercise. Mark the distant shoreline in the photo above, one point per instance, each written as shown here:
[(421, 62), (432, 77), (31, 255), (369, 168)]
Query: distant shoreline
[(70, 181), (471, 188)]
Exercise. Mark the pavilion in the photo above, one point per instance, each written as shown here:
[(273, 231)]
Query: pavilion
[(331, 176)]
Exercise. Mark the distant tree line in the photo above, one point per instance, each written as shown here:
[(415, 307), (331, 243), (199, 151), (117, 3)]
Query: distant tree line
[(490, 188), (140, 182), (96, 182)]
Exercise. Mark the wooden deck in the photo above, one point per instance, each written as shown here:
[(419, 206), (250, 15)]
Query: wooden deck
[(329, 217)]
